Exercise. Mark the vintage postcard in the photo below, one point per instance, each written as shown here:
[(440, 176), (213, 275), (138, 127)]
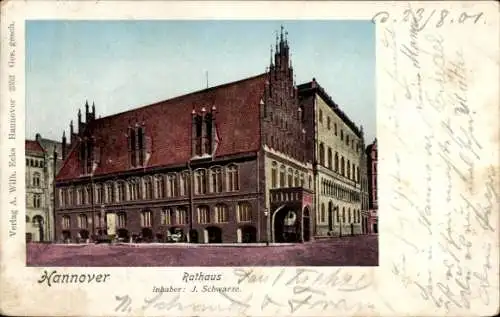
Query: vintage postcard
[(243, 158)]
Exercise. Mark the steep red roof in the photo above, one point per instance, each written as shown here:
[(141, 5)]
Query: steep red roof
[(169, 123), (33, 146)]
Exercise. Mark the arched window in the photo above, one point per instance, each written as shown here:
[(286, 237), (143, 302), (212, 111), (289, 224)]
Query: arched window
[(244, 213), (335, 128), (167, 216), (233, 181), (310, 182), (349, 215), (282, 175), (181, 216), (65, 222), (348, 175), (353, 172), (99, 190), (146, 219), (343, 214), (274, 174), (342, 166), (121, 190), (321, 154), (329, 158), (121, 220), (110, 193), (357, 174), (320, 119), (37, 200), (338, 214), (336, 162), (328, 122), (359, 216), (148, 188), (290, 177), (71, 196), (36, 179), (203, 214), (159, 186), (297, 184), (184, 183), (221, 214), (322, 214), (83, 221), (172, 185), (79, 196), (216, 177), (134, 189), (201, 182), (302, 180)]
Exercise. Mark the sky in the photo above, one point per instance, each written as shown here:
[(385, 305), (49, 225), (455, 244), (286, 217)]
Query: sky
[(121, 65)]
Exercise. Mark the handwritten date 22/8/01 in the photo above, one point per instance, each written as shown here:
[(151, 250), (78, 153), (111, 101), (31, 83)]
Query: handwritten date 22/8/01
[(422, 17)]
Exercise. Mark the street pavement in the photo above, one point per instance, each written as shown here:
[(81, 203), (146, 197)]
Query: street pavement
[(345, 251)]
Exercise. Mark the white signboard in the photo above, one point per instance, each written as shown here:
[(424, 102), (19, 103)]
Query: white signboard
[(111, 223)]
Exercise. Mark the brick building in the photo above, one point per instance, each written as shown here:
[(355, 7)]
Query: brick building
[(371, 152), (224, 164), (335, 146)]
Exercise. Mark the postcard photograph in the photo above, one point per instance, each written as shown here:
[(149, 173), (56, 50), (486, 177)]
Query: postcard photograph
[(201, 143), (182, 158)]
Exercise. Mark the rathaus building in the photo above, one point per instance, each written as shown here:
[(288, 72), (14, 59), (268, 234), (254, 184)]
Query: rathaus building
[(227, 164)]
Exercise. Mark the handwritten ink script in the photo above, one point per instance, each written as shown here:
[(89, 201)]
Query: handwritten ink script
[(303, 290), (435, 18), (440, 196)]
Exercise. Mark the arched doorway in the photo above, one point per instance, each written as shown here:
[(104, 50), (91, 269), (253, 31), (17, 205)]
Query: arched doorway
[(248, 234), (306, 222), (193, 236), (147, 234), (285, 225), (214, 234), (38, 223)]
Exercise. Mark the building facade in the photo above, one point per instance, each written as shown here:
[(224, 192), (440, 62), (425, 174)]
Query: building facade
[(42, 164), (365, 191), (371, 152), (334, 145), (225, 164)]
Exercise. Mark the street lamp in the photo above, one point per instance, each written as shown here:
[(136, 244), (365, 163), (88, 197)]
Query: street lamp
[(268, 228)]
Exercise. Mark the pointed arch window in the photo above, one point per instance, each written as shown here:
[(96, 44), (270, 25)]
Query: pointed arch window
[(172, 185), (110, 193), (244, 212), (322, 213), (232, 178), (121, 191), (282, 175), (146, 219), (160, 186), (274, 174), (36, 179), (216, 179), (79, 196), (329, 158), (221, 213), (200, 182), (148, 188), (321, 154), (65, 222), (134, 189), (184, 184), (181, 216), (203, 214)]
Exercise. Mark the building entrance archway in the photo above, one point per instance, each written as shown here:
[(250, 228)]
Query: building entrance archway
[(285, 225)]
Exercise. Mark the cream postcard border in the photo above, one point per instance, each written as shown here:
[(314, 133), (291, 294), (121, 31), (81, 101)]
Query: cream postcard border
[(437, 128)]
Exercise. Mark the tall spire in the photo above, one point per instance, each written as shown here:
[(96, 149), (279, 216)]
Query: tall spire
[(93, 108), (86, 106), (271, 57), (281, 35)]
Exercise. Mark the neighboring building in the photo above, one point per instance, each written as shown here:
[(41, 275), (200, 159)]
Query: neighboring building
[(335, 145), (371, 152), (365, 196), (225, 164), (41, 159)]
